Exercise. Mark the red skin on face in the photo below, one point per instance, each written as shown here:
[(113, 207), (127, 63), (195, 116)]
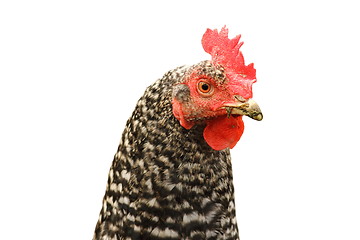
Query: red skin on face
[(221, 131)]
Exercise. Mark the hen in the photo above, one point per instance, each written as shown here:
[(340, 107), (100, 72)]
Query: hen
[(171, 177)]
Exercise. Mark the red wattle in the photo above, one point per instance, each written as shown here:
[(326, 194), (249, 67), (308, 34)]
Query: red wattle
[(223, 132)]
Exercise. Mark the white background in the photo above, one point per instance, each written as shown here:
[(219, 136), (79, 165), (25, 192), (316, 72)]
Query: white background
[(72, 71)]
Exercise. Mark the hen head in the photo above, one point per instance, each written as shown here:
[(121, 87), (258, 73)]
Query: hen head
[(217, 92)]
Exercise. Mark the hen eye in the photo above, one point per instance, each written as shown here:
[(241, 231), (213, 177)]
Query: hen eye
[(204, 88)]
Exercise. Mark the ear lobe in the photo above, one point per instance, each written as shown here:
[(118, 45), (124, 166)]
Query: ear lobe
[(179, 114), (181, 95)]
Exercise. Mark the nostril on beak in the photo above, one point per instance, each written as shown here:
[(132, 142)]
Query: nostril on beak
[(240, 98)]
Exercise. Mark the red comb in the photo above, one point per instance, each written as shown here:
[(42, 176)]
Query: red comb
[(226, 52)]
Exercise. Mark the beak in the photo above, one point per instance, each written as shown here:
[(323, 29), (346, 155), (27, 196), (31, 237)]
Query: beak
[(248, 108)]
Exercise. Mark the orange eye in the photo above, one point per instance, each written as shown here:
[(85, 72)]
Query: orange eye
[(205, 88)]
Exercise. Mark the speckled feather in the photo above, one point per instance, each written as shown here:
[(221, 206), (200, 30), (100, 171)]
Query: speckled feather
[(165, 181)]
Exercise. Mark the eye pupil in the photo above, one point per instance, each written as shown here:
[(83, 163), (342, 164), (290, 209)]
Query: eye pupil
[(205, 87)]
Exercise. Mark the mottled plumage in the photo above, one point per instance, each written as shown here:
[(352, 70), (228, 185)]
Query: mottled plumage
[(166, 182)]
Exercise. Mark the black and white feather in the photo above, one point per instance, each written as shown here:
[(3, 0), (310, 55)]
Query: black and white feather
[(165, 181)]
